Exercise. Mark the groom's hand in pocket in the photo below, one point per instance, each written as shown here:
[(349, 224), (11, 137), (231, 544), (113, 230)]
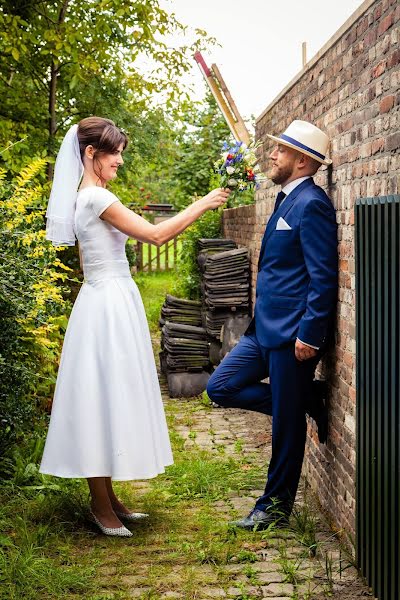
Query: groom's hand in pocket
[(304, 352)]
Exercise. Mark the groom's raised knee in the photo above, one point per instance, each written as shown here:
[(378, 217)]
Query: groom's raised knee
[(216, 390)]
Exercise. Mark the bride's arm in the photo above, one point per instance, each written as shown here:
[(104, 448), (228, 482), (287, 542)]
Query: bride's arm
[(138, 228)]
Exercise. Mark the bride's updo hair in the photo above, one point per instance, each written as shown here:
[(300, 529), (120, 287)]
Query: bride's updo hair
[(102, 134)]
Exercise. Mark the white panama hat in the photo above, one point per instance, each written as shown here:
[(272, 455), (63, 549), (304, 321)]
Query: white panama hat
[(306, 138)]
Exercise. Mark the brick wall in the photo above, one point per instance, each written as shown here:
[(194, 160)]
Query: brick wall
[(351, 90)]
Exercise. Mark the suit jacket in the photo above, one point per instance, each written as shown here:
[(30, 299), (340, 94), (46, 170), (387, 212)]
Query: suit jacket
[(297, 281)]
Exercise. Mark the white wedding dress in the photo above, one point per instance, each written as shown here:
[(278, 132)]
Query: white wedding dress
[(107, 418)]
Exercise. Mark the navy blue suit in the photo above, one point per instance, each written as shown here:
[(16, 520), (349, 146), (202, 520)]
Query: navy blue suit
[(295, 298)]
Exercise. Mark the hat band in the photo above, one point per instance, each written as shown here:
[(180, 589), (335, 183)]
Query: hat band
[(291, 140)]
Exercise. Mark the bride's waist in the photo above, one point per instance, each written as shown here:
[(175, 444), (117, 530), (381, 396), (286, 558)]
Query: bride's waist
[(106, 270)]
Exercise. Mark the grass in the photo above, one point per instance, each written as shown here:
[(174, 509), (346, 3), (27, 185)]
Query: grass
[(305, 527), (35, 556), (153, 288), (290, 567), (49, 551), (200, 474)]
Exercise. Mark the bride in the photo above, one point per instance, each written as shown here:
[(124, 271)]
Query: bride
[(107, 421)]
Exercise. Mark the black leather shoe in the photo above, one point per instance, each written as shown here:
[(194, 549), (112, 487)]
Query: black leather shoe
[(258, 520), (318, 409)]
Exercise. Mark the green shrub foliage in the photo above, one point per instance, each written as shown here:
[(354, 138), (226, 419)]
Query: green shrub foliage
[(208, 226), (32, 307)]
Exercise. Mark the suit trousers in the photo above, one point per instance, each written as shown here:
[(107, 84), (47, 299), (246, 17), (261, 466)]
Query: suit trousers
[(237, 383)]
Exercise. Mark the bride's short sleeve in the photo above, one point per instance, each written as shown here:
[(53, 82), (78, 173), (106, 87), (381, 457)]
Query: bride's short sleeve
[(102, 199)]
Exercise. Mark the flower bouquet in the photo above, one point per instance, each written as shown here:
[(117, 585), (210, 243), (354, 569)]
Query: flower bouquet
[(237, 169)]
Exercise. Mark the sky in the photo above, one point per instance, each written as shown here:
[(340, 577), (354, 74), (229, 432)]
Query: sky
[(261, 41)]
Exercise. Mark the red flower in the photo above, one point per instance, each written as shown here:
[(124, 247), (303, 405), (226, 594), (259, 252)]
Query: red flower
[(230, 156), (141, 189)]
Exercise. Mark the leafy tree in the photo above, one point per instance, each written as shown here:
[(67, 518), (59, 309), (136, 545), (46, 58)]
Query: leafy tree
[(170, 160), (198, 146), (66, 59)]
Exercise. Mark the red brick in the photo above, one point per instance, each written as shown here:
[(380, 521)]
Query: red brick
[(365, 150), (386, 104), (351, 37), (349, 360), (385, 24), (362, 27), (392, 142), (378, 145), (378, 12), (370, 37), (394, 59), (378, 69)]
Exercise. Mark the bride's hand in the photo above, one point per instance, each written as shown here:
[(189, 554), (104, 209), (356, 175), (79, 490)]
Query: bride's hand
[(216, 198)]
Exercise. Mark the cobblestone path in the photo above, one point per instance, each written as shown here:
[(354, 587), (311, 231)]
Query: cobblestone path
[(329, 574), (180, 558)]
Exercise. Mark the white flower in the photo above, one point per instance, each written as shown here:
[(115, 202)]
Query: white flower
[(230, 170), (232, 182), (225, 156)]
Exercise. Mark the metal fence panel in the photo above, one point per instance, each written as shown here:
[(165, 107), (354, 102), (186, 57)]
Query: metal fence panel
[(377, 250)]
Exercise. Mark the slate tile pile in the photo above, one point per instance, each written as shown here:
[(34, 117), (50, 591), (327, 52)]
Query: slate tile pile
[(225, 287)]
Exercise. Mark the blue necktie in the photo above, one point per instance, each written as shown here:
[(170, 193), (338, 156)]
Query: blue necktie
[(279, 198)]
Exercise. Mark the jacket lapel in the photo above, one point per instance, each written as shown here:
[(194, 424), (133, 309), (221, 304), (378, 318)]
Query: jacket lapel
[(283, 209)]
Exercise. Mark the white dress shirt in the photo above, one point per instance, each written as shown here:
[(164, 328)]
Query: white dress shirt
[(289, 187)]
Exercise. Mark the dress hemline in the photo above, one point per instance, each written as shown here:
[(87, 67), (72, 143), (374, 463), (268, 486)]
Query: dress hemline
[(114, 478)]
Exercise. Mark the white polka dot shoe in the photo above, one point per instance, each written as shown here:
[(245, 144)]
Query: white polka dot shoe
[(113, 531), (132, 516)]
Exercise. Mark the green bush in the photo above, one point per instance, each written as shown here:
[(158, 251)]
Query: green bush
[(188, 281), (32, 307)]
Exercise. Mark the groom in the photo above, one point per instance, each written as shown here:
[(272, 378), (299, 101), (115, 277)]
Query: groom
[(295, 304)]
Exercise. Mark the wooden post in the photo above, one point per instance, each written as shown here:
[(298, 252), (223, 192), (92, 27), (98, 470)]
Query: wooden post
[(166, 257), (149, 255), (175, 251), (304, 53), (158, 258), (139, 255)]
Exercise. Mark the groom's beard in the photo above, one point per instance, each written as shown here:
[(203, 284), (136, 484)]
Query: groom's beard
[(280, 175)]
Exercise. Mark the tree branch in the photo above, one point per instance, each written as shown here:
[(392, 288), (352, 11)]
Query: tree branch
[(54, 70), (63, 11), (44, 15)]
